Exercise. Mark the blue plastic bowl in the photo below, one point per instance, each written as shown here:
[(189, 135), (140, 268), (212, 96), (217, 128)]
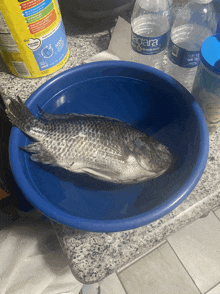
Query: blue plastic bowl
[(142, 96)]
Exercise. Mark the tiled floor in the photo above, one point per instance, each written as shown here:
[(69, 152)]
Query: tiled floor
[(187, 263)]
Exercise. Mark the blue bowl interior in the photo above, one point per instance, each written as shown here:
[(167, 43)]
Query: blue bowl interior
[(144, 97)]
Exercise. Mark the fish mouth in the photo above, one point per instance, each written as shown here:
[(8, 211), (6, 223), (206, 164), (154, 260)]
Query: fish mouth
[(155, 164), (151, 155), (168, 167)]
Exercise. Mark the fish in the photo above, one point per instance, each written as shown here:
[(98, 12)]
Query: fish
[(104, 148)]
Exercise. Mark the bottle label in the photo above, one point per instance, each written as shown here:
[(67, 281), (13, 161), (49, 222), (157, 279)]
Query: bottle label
[(149, 45), (33, 41), (50, 48), (183, 57)]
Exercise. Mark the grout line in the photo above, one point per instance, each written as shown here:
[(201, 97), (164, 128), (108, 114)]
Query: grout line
[(137, 259), (216, 207), (184, 267), (212, 288), (216, 215), (121, 283)]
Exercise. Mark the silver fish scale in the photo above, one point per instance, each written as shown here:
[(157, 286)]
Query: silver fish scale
[(92, 140)]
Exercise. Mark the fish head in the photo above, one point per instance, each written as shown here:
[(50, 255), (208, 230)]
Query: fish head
[(152, 155)]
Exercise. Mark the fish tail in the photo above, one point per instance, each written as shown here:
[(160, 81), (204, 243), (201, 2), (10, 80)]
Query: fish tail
[(20, 116)]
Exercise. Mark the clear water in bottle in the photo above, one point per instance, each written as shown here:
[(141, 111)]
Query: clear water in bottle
[(192, 26), (150, 28)]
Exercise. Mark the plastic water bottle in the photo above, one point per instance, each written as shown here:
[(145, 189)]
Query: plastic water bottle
[(206, 87), (192, 25), (150, 27)]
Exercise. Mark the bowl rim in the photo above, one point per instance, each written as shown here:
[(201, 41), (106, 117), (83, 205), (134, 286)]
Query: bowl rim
[(52, 212)]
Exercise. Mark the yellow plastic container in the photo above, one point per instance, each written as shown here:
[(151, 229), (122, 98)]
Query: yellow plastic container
[(32, 37)]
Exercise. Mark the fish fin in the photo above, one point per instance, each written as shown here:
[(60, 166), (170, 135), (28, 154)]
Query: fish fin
[(39, 154), (32, 148), (101, 174), (49, 117), (43, 115), (19, 115)]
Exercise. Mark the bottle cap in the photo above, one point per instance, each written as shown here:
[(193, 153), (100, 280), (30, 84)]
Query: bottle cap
[(210, 53)]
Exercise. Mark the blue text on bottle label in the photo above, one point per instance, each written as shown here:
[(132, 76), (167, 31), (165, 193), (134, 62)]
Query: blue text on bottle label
[(183, 57), (148, 45)]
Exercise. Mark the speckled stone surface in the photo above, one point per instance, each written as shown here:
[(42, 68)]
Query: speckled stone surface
[(93, 256)]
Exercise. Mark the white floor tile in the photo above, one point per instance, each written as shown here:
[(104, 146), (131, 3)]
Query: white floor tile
[(159, 272), (135, 260), (215, 290), (198, 248), (111, 285)]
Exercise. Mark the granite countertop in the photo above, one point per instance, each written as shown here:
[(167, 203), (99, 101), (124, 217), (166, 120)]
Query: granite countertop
[(93, 256)]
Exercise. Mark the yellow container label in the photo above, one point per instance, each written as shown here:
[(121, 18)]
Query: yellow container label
[(32, 37)]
